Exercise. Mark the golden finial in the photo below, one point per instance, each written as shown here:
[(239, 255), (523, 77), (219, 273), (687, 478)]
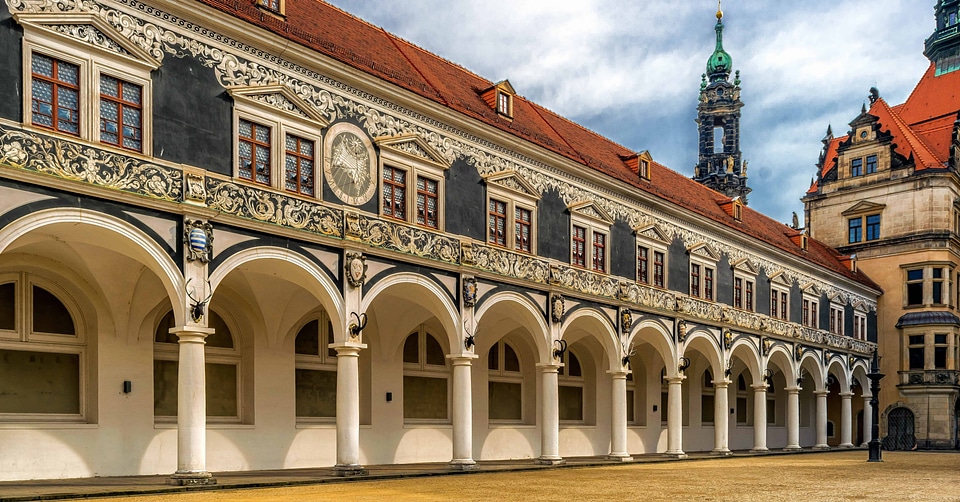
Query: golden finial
[(719, 12)]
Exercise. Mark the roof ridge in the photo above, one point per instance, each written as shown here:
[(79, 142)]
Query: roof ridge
[(919, 147), (393, 40), (577, 125)]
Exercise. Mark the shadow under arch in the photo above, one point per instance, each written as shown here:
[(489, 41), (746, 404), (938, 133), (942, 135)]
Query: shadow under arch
[(524, 313), (599, 327), (780, 358), (84, 225), (836, 368), (425, 293), (810, 363), (745, 351), (291, 266), (859, 372), (703, 342)]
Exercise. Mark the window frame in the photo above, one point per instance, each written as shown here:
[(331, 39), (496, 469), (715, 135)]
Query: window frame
[(858, 228), (323, 361), (513, 199), (836, 319), (859, 324), (704, 257), (502, 375), (856, 167), (871, 229), (810, 308), (392, 155), (586, 215), (747, 277), (564, 379), (652, 239), (422, 369), (928, 283), (23, 338), (92, 62)]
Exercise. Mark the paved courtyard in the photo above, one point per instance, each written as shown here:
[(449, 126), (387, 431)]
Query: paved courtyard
[(812, 476)]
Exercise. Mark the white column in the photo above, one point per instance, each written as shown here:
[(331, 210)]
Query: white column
[(793, 419), (759, 418), (867, 421), (348, 409), (721, 418), (462, 412), (618, 417), (549, 416), (191, 408), (675, 417), (821, 420), (846, 420)]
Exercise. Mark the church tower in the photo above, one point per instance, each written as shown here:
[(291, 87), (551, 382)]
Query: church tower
[(720, 165), (943, 47)]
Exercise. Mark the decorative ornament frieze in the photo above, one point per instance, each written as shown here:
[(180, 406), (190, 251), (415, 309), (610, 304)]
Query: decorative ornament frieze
[(410, 240), (90, 34), (584, 281), (506, 263), (269, 207), (698, 308), (78, 162)]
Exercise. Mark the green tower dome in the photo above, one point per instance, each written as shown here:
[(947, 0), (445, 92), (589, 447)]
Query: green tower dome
[(720, 63)]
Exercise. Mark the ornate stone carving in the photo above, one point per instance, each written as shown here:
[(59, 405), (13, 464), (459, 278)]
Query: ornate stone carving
[(681, 330), (278, 209), (71, 161), (90, 34), (626, 321), (765, 345), (557, 308), (584, 281), (698, 308), (506, 263), (797, 352), (198, 237), (469, 291), (280, 102), (741, 318), (355, 266), (467, 256), (727, 339), (351, 227), (195, 189), (410, 240)]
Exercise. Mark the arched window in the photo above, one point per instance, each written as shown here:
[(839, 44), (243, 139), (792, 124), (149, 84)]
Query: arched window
[(316, 370), (42, 352), (571, 388), (707, 399), (425, 378), (744, 417), (222, 371), (505, 385)]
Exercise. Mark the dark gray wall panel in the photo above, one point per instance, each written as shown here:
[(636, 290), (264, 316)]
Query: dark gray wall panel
[(872, 326), (11, 67), (465, 201), (623, 253), (761, 293), (192, 116), (796, 304), (724, 280), (678, 265), (553, 234)]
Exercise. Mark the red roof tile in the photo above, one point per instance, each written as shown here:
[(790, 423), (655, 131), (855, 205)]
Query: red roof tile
[(907, 141), (352, 41)]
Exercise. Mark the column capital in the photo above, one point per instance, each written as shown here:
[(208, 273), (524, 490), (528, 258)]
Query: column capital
[(819, 393), (721, 384), (792, 390), (192, 334), (347, 349), (549, 367), (678, 379), (846, 395), (465, 359), (759, 387), (619, 374)]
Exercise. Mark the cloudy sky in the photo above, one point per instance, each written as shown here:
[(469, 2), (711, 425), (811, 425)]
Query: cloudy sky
[(630, 69)]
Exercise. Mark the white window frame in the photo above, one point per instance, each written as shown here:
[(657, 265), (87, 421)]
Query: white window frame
[(702, 255), (565, 380), (593, 225), (653, 246), (811, 306), (414, 167), (92, 61), (513, 200), (424, 370), (501, 375), (836, 318), (746, 274), (778, 287), (211, 355), (859, 323), (23, 338), (280, 123), (320, 362)]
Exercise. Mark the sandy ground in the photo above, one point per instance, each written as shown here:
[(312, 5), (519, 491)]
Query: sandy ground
[(831, 476)]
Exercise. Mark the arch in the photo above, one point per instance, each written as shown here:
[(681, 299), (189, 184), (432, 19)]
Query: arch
[(660, 337), (859, 372), (140, 247), (704, 342), (747, 352), (528, 313), (600, 327), (435, 300), (327, 293), (810, 362), (836, 368), (781, 358)]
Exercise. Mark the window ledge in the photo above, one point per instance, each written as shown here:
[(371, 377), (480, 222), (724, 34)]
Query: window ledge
[(47, 425), (577, 426), (210, 426), (502, 425), (438, 425), (317, 425)]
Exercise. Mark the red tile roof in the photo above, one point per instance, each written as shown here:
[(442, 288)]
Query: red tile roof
[(370, 49)]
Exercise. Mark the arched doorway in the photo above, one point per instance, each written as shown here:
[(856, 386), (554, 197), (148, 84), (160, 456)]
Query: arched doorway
[(900, 430)]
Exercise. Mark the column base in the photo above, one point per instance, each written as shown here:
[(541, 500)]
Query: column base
[(760, 450), (792, 448), (846, 445), (194, 478), (722, 453), (866, 444), (349, 470), (821, 447), (675, 454), (463, 465), (619, 457), (549, 461)]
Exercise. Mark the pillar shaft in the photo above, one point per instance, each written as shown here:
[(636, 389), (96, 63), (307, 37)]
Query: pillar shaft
[(618, 416), (675, 417), (462, 412), (549, 416), (721, 418), (867, 421), (846, 420), (348, 408), (821, 420), (793, 418), (760, 417), (191, 407)]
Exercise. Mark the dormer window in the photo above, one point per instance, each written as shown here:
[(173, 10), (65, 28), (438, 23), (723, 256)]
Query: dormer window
[(503, 104), (500, 98), (734, 208), (644, 169), (275, 6)]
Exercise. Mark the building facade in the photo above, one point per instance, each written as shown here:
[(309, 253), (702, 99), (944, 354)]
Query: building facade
[(887, 193), (266, 234)]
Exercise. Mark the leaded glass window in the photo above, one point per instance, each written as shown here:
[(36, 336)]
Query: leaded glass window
[(254, 151), (299, 162), (121, 113), (55, 94), (395, 193), (427, 202)]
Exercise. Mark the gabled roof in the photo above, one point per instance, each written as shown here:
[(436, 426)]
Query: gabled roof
[(336, 34), (907, 141)]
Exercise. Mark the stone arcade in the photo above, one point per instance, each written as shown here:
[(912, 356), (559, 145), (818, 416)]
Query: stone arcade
[(265, 234)]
